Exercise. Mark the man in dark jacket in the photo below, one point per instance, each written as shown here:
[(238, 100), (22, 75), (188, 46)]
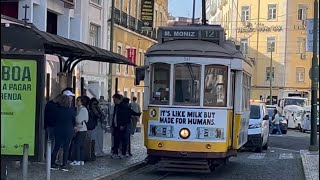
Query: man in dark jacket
[(121, 124)]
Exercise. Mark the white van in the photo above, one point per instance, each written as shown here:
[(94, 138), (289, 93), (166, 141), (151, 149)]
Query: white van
[(294, 115), (306, 123), (258, 132)]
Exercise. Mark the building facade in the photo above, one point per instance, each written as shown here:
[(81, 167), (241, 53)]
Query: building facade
[(269, 30), (81, 20), (128, 34)]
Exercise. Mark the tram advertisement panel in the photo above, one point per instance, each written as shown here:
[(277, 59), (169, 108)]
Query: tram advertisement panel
[(18, 105), (182, 124)]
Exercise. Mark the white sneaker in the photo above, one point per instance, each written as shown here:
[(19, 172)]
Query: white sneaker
[(82, 163), (75, 163)]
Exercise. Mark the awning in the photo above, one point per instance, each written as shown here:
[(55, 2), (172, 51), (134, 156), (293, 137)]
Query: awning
[(22, 39)]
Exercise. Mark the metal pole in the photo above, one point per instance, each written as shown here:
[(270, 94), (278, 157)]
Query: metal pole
[(271, 77), (48, 158), (204, 19), (193, 11), (25, 162), (314, 82), (111, 49)]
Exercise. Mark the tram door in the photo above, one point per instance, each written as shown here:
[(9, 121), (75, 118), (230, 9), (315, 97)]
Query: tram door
[(232, 96)]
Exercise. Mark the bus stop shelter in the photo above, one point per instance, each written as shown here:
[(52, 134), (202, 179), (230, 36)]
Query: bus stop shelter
[(20, 44)]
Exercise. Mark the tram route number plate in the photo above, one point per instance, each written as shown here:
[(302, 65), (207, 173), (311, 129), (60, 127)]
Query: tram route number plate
[(192, 34)]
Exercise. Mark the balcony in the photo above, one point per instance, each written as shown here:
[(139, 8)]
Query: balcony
[(132, 23)]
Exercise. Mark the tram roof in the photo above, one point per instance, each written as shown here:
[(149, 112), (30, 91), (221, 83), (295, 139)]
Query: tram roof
[(197, 48)]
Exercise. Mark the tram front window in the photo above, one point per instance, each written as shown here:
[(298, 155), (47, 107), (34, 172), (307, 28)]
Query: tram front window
[(187, 84), (160, 83), (215, 89)]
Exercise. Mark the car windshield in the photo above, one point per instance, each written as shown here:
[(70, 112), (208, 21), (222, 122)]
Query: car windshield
[(298, 102), (254, 112), (270, 111)]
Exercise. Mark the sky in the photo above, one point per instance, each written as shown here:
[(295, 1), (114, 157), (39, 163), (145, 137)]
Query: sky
[(183, 8)]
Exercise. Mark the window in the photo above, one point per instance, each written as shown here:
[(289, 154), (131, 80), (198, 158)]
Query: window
[(119, 51), (129, 8), (127, 69), (271, 44), (94, 35), (255, 112), (300, 73), (187, 84), (246, 89), (160, 83), (245, 13), (132, 95), (140, 58), (302, 12), (161, 19), (268, 73), (244, 46), (125, 93), (272, 11), (155, 18), (96, 1), (215, 85), (302, 45)]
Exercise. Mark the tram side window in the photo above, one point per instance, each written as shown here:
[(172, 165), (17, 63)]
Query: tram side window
[(160, 83), (246, 89), (215, 89), (187, 84)]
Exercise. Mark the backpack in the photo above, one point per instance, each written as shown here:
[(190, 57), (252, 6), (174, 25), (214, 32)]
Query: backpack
[(92, 122)]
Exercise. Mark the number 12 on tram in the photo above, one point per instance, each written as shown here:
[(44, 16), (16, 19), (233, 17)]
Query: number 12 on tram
[(197, 93)]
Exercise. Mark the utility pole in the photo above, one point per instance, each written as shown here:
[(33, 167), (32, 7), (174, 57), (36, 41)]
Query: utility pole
[(193, 11), (314, 81), (111, 49), (271, 76), (204, 19)]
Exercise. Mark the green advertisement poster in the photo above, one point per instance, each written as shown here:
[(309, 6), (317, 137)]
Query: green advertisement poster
[(18, 105)]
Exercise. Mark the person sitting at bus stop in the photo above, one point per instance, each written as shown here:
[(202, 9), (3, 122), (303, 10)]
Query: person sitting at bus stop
[(276, 121), (64, 129), (121, 124)]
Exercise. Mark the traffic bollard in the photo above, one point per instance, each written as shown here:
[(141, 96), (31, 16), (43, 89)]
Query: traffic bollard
[(25, 162), (48, 159)]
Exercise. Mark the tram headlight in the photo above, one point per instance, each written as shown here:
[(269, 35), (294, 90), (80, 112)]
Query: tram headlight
[(184, 133)]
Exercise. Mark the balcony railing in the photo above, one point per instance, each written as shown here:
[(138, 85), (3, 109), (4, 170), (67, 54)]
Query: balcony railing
[(134, 24)]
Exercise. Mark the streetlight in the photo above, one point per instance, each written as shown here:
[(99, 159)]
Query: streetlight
[(314, 81)]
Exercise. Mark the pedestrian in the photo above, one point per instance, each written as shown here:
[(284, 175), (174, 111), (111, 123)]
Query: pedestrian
[(50, 111), (134, 119), (64, 129), (121, 124), (98, 116), (276, 121), (81, 129)]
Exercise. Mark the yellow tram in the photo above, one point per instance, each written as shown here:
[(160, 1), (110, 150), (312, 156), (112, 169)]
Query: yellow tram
[(197, 93)]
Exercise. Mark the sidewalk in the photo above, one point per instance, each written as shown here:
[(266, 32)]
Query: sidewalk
[(91, 170), (310, 162)]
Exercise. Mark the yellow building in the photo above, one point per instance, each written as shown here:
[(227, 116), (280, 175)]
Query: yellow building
[(128, 34), (264, 26)]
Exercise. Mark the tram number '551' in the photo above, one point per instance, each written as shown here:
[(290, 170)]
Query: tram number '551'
[(187, 59)]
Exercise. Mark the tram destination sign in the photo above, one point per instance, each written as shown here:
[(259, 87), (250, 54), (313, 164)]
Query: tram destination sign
[(192, 34)]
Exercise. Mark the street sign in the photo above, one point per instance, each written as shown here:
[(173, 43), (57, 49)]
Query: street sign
[(310, 36)]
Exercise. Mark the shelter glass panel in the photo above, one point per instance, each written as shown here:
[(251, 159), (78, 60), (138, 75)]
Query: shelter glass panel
[(160, 84), (215, 87)]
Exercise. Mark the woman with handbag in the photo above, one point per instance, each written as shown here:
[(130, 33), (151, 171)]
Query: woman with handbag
[(81, 129)]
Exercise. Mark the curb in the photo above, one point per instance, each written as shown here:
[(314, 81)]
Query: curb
[(121, 172), (307, 173)]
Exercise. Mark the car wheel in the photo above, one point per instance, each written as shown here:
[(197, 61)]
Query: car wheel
[(284, 132), (265, 147), (303, 130)]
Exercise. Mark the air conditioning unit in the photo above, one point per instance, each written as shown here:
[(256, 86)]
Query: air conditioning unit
[(303, 56)]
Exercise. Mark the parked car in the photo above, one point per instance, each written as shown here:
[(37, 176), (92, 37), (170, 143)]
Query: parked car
[(305, 123), (258, 132), (283, 121)]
